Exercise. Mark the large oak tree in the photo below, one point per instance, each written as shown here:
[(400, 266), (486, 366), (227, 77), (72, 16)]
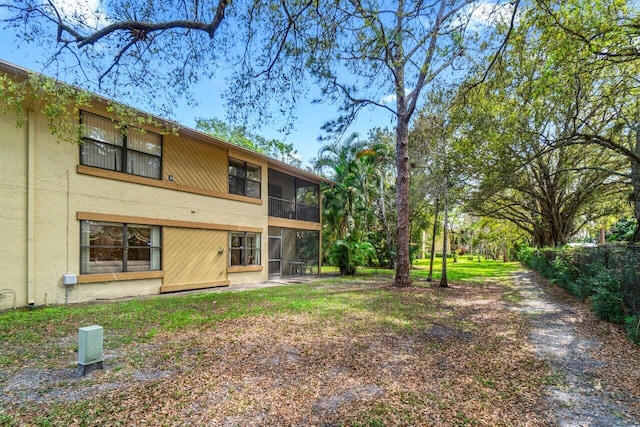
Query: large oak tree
[(527, 137), (600, 38)]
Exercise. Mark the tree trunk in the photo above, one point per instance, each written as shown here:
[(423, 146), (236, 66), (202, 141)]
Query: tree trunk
[(385, 223), (454, 246), (444, 283), (542, 237), (635, 181), (403, 262), (433, 240)]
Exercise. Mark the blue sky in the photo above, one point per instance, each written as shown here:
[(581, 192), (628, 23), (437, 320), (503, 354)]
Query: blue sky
[(210, 104), (208, 93)]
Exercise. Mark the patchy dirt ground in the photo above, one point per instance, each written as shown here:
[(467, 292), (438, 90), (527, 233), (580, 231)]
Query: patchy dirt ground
[(477, 358)]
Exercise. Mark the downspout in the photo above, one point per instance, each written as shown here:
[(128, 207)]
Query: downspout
[(31, 217)]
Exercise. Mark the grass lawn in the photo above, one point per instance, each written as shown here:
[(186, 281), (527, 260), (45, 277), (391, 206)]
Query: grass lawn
[(338, 351), (465, 268)]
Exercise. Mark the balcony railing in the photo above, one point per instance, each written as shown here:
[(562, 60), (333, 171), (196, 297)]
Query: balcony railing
[(281, 208)]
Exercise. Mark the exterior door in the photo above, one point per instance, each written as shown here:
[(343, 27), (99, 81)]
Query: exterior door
[(275, 256)]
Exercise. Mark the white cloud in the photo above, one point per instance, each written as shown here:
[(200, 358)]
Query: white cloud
[(88, 13), (488, 13), (388, 99), (391, 98)]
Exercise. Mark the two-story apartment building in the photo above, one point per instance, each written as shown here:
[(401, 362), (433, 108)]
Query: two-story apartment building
[(139, 211)]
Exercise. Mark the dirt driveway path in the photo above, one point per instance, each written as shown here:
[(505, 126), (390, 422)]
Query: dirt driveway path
[(596, 367)]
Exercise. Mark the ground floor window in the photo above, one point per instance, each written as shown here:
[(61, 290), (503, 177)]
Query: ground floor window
[(244, 248), (110, 247)]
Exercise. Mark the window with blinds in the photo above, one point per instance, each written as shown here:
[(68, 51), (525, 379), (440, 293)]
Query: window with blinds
[(107, 247), (131, 150)]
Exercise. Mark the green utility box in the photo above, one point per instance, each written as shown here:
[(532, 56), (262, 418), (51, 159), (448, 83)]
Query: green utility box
[(90, 340)]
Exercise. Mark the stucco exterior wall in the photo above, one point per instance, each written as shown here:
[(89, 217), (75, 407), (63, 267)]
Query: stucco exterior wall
[(45, 194), (61, 192), (13, 211)]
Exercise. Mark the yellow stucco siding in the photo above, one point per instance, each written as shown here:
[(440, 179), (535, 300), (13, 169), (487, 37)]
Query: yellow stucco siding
[(102, 195), (110, 290), (60, 192), (13, 211), (45, 194)]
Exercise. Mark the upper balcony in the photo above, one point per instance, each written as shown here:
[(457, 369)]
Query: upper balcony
[(293, 198)]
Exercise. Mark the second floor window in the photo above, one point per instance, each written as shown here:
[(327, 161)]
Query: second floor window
[(131, 151), (244, 178)]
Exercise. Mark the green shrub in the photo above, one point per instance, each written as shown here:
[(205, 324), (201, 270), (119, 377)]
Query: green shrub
[(563, 271), (348, 254), (535, 259), (582, 287), (633, 328), (606, 301), (526, 255)]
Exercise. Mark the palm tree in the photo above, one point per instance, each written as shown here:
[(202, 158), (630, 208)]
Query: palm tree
[(379, 159), (340, 163), (351, 206)]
